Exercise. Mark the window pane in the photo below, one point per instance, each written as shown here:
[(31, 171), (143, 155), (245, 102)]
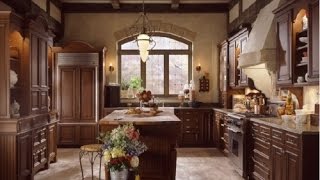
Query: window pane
[(161, 43), (130, 67), (178, 73), (155, 74)]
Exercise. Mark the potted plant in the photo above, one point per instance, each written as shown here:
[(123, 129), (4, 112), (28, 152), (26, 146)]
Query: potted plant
[(121, 150), (134, 86), (124, 89)]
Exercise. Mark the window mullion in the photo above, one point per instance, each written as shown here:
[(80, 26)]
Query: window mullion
[(143, 74), (166, 74)]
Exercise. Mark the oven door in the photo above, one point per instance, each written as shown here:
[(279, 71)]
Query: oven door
[(236, 148)]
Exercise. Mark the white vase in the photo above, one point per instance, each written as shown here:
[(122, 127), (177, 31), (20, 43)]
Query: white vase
[(119, 175)]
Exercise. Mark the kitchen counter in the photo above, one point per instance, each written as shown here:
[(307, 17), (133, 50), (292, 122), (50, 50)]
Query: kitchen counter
[(224, 110), (120, 117), (290, 126), (160, 133)]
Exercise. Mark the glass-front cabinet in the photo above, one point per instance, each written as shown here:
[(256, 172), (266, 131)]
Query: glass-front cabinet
[(297, 25)]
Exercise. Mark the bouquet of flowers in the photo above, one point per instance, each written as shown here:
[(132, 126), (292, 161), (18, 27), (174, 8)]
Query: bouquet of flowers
[(122, 147)]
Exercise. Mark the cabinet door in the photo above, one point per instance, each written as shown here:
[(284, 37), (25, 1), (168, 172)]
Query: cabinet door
[(52, 142), (43, 75), (34, 75), (278, 165), (67, 94), (67, 134), (314, 39), (24, 156), (87, 98), (243, 76), (232, 68), (292, 163), (284, 62)]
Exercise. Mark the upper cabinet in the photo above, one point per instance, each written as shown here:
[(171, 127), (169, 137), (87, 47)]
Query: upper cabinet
[(297, 25), (237, 78)]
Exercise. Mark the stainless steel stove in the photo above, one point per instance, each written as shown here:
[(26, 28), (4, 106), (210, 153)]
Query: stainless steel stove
[(236, 125)]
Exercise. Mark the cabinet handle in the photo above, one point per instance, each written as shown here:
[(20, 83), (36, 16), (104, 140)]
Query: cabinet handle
[(188, 127), (187, 120), (187, 131)]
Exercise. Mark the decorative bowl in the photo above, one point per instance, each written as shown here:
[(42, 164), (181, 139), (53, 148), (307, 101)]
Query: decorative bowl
[(303, 39)]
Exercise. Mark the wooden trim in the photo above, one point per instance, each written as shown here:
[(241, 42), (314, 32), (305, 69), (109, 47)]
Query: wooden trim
[(150, 8)]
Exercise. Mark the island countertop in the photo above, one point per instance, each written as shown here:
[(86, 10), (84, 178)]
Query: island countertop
[(120, 117), (160, 133)]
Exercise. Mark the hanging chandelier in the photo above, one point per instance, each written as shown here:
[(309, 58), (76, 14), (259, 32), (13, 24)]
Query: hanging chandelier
[(142, 30)]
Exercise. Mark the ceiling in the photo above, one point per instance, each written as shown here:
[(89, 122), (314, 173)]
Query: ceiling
[(155, 6), (149, 1)]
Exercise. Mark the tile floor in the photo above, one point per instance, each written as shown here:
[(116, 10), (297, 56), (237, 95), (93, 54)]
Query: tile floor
[(192, 164)]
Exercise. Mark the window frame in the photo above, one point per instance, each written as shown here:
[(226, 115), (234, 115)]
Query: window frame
[(165, 52)]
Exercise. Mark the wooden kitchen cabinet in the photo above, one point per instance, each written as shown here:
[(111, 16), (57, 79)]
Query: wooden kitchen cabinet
[(196, 128), (221, 136), (277, 154), (79, 93), (297, 48), (237, 78)]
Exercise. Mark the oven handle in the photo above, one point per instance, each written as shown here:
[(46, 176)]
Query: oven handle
[(233, 130)]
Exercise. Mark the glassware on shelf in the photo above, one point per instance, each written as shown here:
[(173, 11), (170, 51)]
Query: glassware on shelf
[(304, 22)]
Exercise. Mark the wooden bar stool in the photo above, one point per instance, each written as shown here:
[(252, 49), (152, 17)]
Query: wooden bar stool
[(90, 149)]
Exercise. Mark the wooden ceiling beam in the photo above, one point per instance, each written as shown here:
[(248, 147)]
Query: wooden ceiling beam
[(115, 4), (149, 8), (175, 4)]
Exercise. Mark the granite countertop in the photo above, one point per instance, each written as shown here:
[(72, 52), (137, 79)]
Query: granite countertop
[(120, 116), (290, 126), (224, 110)]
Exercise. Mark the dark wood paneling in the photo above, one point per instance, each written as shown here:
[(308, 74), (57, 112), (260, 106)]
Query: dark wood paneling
[(87, 94), (24, 143), (4, 66), (87, 134), (67, 94), (52, 142), (231, 63), (66, 134), (284, 61), (34, 62), (150, 8), (314, 43), (43, 61), (8, 156)]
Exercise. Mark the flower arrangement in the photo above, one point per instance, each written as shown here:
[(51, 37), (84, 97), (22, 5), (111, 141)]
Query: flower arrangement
[(122, 147)]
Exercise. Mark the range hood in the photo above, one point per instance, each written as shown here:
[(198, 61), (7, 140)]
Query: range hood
[(258, 58)]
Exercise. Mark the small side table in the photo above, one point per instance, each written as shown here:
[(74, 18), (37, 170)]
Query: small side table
[(90, 150)]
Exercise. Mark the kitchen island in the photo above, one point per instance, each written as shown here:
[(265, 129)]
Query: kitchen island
[(159, 132)]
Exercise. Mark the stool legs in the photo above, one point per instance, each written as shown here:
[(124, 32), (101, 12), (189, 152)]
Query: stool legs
[(81, 153), (92, 158)]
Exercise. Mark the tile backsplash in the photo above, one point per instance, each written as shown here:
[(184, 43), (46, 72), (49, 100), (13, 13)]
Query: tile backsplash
[(310, 95)]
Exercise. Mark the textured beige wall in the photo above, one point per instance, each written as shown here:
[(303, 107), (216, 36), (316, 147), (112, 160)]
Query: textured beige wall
[(234, 13), (41, 3), (246, 4), (55, 12), (98, 29)]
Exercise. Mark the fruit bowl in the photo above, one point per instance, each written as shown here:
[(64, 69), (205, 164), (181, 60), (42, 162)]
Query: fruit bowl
[(144, 96)]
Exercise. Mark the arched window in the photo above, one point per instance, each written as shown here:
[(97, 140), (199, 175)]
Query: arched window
[(168, 67)]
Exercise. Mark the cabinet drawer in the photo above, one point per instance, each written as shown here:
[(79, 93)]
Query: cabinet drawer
[(292, 140), (265, 131), (39, 136), (260, 172), (190, 126), (277, 135), (262, 159), (262, 145), (255, 128)]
